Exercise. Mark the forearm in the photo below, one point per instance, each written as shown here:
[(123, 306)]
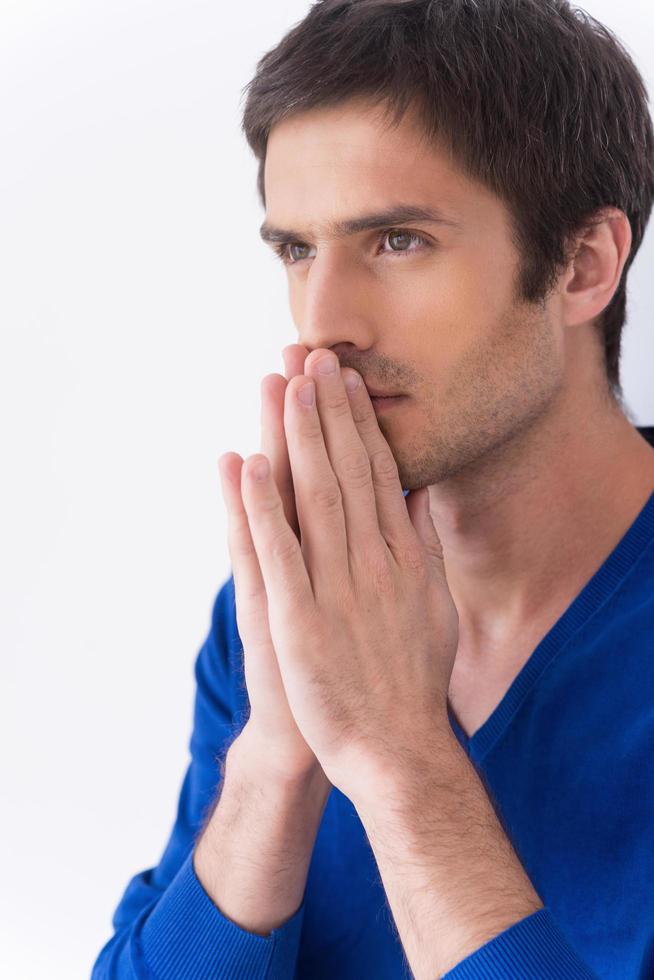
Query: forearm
[(451, 875), (253, 855)]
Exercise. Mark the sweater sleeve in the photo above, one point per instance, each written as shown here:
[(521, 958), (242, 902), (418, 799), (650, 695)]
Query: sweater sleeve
[(166, 925), (532, 947)]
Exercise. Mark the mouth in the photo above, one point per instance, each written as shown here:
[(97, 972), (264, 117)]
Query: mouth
[(382, 402)]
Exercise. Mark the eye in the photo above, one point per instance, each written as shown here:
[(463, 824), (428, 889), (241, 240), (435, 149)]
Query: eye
[(288, 251), (409, 236), (283, 249)]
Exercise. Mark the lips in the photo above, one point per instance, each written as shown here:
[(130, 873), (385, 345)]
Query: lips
[(387, 404), (382, 394)]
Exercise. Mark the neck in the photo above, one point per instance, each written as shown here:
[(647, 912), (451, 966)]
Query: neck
[(528, 526)]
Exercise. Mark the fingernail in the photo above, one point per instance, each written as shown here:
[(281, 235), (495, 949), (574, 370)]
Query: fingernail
[(352, 380), (327, 365), (307, 394), (260, 469)]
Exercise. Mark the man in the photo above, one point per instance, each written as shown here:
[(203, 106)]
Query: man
[(423, 729)]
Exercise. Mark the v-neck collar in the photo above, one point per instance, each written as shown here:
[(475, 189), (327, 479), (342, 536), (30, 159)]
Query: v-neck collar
[(605, 580)]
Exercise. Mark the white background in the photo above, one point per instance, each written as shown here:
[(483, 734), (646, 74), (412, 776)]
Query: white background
[(138, 313)]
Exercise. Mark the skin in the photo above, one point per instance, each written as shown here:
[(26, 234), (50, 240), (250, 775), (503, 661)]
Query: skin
[(507, 409), (506, 414), (363, 630)]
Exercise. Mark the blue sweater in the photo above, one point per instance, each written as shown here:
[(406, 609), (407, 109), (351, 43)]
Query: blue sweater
[(567, 758)]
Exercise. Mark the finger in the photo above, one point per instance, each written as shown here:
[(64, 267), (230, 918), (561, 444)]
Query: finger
[(394, 521), (273, 436), (280, 558), (346, 452), (294, 356), (419, 512), (318, 495), (273, 443), (249, 588)]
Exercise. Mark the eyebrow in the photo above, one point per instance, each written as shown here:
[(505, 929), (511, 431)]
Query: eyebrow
[(396, 215)]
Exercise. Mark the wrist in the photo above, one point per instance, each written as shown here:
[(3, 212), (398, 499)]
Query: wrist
[(431, 761), (253, 854), (285, 764)]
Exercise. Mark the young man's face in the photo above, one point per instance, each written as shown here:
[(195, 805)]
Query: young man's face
[(433, 319)]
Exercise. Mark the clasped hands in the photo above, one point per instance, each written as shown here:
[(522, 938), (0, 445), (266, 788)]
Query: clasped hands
[(349, 629)]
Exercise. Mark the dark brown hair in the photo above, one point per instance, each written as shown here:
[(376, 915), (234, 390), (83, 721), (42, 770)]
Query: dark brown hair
[(535, 99)]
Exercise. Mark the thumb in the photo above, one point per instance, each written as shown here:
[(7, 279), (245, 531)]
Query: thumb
[(417, 503)]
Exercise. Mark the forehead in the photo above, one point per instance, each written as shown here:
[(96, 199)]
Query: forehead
[(328, 163)]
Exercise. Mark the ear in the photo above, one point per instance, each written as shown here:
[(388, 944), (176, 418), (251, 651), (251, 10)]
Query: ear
[(594, 274)]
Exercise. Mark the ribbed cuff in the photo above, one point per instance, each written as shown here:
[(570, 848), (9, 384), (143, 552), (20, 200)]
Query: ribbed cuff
[(532, 947), (186, 937)]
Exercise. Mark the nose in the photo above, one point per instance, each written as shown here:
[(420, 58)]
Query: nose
[(333, 303)]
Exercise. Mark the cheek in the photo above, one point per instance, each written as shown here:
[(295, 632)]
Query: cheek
[(441, 314), (483, 290), (295, 303)]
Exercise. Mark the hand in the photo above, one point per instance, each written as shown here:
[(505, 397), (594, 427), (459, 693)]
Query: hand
[(270, 714), (361, 619)]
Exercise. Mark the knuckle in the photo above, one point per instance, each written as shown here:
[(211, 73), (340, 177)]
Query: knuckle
[(327, 498), (380, 574), (286, 486), (384, 467), (283, 546), (363, 416), (269, 506), (338, 404), (413, 560), (342, 594), (251, 594), (239, 538), (312, 434), (240, 546), (354, 468)]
